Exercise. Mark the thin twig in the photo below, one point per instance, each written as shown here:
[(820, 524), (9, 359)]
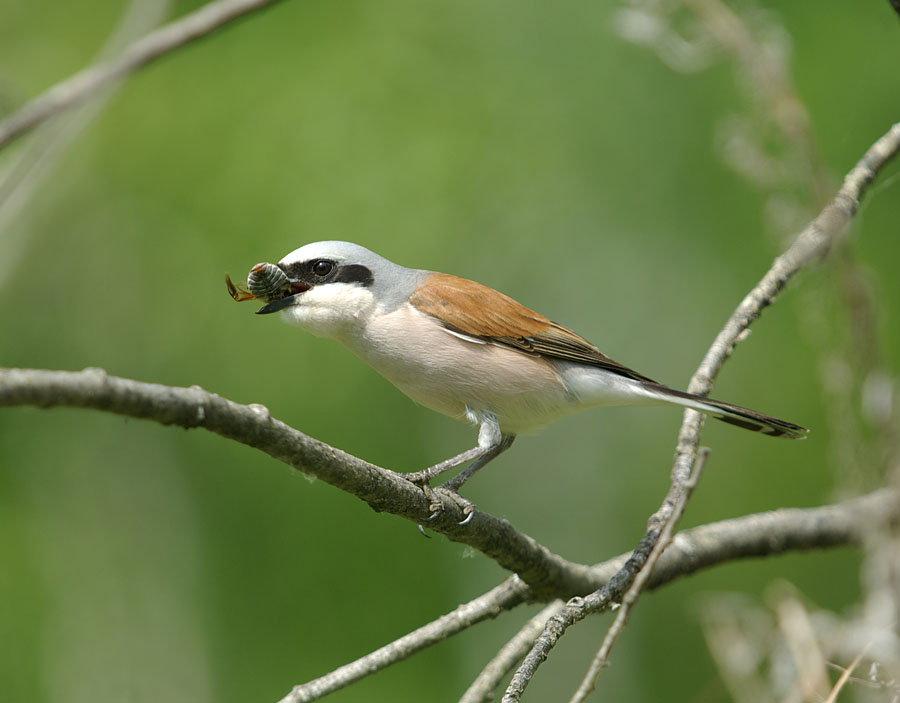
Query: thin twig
[(23, 174), (846, 674), (601, 659), (780, 102), (812, 244), (482, 688), (802, 651), (385, 490), (764, 534), (852, 346), (507, 595), (89, 81)]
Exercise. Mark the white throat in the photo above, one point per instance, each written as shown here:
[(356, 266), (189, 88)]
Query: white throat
[(335, 310)]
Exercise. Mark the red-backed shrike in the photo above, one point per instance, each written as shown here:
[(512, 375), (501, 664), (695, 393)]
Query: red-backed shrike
[(464, 349)]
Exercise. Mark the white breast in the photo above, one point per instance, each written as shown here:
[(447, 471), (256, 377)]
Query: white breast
[(452, 375)]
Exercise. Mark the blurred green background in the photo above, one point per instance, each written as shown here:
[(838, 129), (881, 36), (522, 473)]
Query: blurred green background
[(525, 145)]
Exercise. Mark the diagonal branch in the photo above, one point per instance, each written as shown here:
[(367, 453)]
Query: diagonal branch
[(547, 574), (507, 595), (641, 581), (385, 491), (812, 244), (759, 535), (89, 81), (750, 536), (22, 175), (482, 688), (764, 534)]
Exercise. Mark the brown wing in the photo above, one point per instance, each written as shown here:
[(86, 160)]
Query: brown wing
[(502, 321)]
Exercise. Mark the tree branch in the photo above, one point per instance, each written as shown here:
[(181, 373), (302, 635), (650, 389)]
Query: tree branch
[(764, 534), (386, 491), (812, 244), (641, 580), (506, 596), (22, 174), (482, 688), (89, 81), (547, 574)]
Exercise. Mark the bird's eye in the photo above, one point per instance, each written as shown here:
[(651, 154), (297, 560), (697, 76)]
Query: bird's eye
[(323, 268)]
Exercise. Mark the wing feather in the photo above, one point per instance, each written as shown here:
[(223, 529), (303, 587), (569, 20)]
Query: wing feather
[(476, 311)]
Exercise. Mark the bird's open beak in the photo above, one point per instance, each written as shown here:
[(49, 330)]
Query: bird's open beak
[(286, 302)]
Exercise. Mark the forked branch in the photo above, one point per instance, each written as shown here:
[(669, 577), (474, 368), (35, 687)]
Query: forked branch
[(761, 535), (812, 244), (543, 574)]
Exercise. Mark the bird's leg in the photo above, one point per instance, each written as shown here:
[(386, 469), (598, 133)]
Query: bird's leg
[(455, 483), (423, 477), (451, 487), (491, 443)]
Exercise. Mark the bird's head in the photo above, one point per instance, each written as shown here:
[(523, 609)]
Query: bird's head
[(333, 288)]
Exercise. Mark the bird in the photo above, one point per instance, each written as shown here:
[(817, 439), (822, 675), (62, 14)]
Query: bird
[(464, 350)]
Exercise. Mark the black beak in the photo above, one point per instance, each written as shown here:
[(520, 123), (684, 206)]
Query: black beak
[(279, 304)]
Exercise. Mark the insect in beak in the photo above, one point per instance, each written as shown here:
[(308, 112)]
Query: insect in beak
[(269, 283), (239, 294)]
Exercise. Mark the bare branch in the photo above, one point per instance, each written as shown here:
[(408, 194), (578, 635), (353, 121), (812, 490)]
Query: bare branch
[(852, 343), (764, 534), (23, 174), (848, 672), (750, 536), (812, 244), (641, 561), (774, 532), (548, 574), (507, 595), (89, 81), (778, 100), (386, 491), (481, 690), (601, 659)]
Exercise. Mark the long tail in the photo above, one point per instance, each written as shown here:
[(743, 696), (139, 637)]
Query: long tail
[(732, 414)]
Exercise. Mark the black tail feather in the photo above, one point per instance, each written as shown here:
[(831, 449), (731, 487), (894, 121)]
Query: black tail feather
[(733, 414)]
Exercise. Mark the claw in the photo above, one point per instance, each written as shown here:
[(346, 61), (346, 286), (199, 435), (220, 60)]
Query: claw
[(434, 503), (422, 531), (467, 506)]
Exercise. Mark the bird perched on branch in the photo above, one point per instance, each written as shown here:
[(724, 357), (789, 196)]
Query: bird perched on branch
[(462, 349)]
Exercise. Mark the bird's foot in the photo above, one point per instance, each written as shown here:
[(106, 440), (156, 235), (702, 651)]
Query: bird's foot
[(436, 505), (467, 506)]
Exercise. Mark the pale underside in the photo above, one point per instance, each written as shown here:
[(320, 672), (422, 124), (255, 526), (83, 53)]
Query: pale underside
[(470, 352), (515, 365)]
